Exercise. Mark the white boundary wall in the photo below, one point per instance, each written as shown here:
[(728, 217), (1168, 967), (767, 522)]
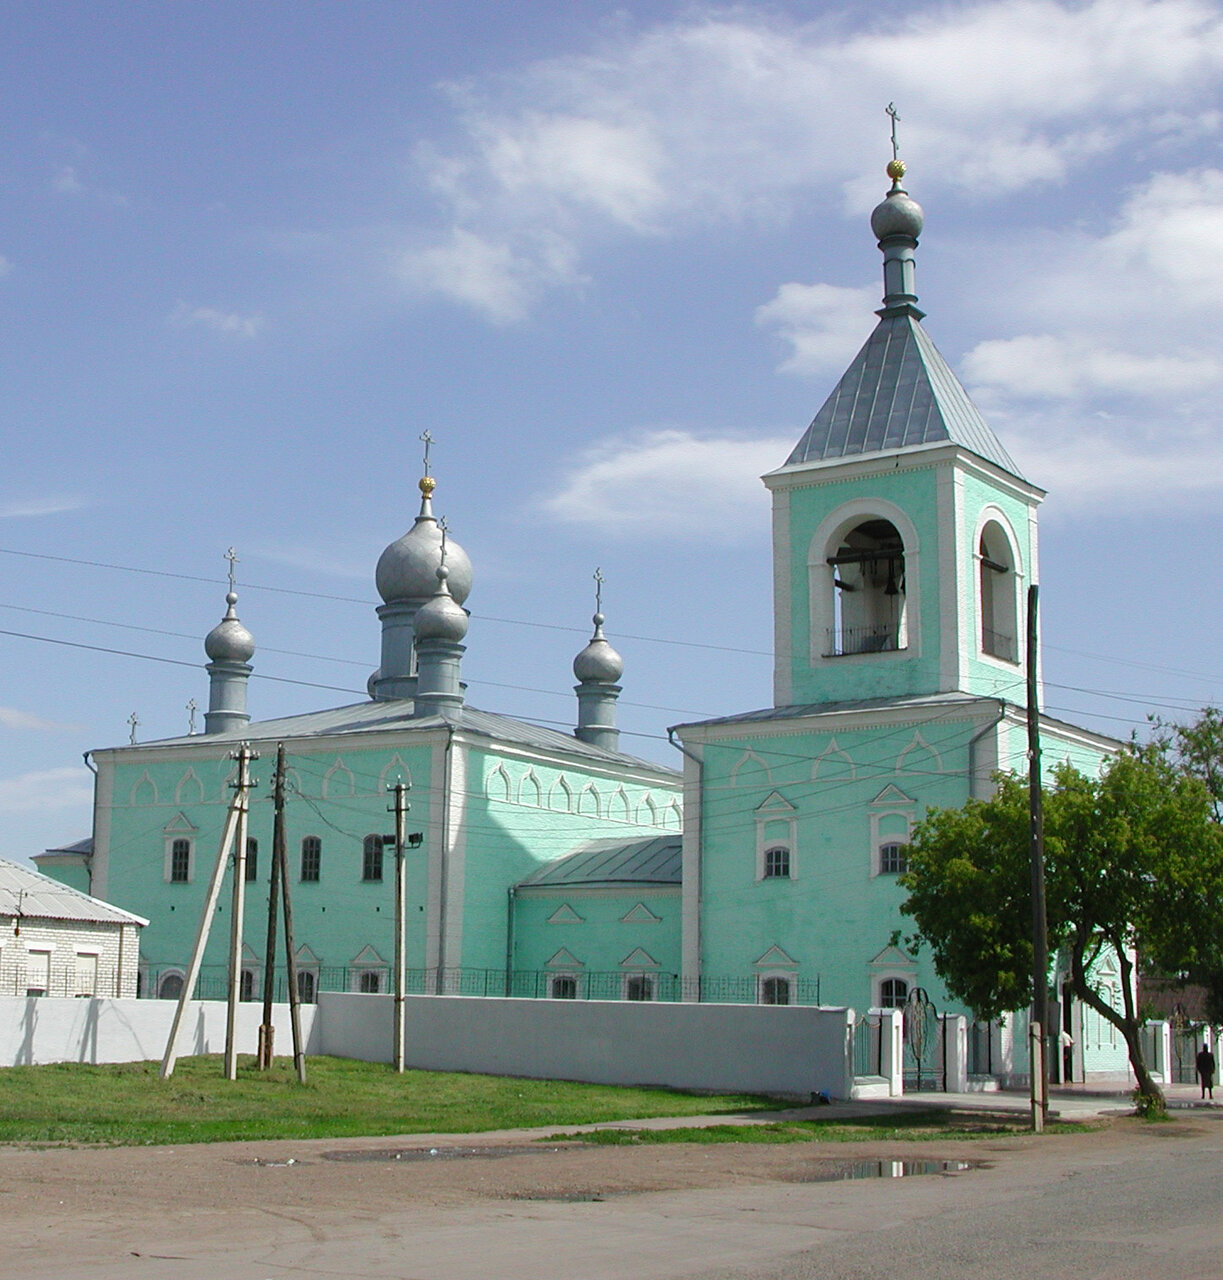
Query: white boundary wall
[(47, 1029), (789, 1049)]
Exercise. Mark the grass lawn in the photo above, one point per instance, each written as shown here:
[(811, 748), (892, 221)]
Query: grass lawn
[(127, 1105), (915, 1127)]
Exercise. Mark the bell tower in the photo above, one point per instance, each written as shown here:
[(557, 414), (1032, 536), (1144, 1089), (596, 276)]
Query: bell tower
[(904, 535)]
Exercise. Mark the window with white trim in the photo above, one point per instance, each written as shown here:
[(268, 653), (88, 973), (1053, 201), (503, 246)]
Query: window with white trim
[(564, 986), (893, 858), (997, 594), (371, 858), (893, 993), (180, 861), (639, 986), (777, 862), (775, 990)]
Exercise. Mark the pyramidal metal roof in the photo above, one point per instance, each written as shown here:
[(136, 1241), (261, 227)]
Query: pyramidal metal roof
[(897, 394)]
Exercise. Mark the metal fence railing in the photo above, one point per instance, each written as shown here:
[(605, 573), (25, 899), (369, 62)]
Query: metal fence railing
[(868, 1046)]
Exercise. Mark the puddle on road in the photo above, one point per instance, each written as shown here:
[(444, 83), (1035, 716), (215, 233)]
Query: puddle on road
[(850, 1170), (408, 1155)]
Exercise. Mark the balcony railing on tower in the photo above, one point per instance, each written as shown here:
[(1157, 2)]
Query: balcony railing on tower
[(879, 638)]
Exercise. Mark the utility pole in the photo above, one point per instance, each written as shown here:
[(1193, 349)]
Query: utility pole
[(237, 912), (1038, 1030), (266, 1029), (201, 936), (400, 810), (299, 1053)]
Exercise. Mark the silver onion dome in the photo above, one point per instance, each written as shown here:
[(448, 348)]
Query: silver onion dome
[(598, 662), (229, 640), (442, 617), (898, 214), (407, 569)]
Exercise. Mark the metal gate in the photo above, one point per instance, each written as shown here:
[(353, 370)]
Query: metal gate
[(1185, 1045), (925, 1058), (868, 1046)]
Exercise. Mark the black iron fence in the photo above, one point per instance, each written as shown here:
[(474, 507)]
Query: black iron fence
[(872, 639), (165, 982)]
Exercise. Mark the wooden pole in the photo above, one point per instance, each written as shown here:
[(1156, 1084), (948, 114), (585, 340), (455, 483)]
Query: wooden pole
[(267, 1032), (400, 809), (1040, 931), (299, 1054), (237, 913), (201, 939)]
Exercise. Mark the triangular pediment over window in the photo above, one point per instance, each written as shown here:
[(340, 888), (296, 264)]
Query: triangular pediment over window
[(179, 823), (892, 794), (306, 956), (367, 956), (893, 958), (639, 958), (565, 959), (776, 958), (774, 802)]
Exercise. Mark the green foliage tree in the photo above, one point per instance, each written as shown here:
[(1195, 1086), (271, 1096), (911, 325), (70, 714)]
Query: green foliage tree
[(1196, 749), (1134, 861)]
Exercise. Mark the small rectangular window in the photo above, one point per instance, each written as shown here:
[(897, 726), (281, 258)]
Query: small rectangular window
[(180, 862), (371, 859), (312, 858), (252, 859)]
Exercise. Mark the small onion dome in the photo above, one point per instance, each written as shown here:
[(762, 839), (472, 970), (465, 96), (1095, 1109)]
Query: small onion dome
[(229, 640), (898, 214), (406, 569), (598, 662), (442, 618)]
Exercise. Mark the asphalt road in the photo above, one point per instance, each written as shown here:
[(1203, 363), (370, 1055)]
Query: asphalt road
[(1135, 1202)]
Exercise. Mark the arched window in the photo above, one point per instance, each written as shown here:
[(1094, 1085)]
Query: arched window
[(893, 992), (777, 862), (996, 593), (246, 985), (306, 986), (312, 859), (639, 986), (371, 858), (868, 578), (775, 991), (170, 987), (893, 861), (564, 986), (252, 858), (370, 982)]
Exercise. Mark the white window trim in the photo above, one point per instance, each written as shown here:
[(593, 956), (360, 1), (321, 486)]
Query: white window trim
[(630, 975), (789, 977), (907, 811), (168, 868), (995, 515), (765, 817), (908, 977)]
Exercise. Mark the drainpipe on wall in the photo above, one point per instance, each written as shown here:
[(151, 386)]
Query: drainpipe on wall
[(509, 940), (444, 868), (972, 746)]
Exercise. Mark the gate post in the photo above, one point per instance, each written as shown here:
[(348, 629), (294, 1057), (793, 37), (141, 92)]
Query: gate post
[(955, 1052), (892, 1049)]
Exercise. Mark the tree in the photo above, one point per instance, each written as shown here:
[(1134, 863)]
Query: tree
[(1196, 749), (1133, 861)]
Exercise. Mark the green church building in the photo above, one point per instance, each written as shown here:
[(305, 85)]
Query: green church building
[(555, 865)]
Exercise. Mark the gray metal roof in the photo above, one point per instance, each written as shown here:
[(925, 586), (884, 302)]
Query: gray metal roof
[(898, 393), (396, 714), (77, 846), (652, 861), (26, 892)]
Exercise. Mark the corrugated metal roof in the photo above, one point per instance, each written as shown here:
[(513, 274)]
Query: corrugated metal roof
[(396, 714), (654, 860), (898, 393), (29, 893)]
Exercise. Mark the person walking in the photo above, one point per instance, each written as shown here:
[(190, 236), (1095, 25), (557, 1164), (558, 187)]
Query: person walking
[(1206, 1071)]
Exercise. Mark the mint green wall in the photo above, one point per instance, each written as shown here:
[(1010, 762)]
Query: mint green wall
[(914, 490)]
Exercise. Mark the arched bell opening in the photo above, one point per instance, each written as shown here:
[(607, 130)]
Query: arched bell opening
[(868, 579), (996, 593)]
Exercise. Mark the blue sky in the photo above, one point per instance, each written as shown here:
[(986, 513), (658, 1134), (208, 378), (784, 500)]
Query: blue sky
[(613, 259)]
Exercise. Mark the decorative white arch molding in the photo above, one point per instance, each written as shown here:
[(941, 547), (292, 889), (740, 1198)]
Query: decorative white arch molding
[(647, 811), (560, 798), (997, 587), (672, 817), (529, 790), (776, 977), (190, 789), (820, 574), (750, 770), (590, 802), (394, 771), (144, 791), (498, 786), (339, 782), (833, 764), (618, 809), (919, 757)]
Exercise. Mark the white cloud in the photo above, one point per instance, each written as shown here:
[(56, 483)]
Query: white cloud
[(13, 718), (737, 114), (66, 181), (229, 323), (46, 789), (670, 481), (25, 508), (824, 324)]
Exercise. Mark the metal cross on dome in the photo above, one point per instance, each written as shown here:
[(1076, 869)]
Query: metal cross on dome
[(891, 110), (192, 708), (427, 440), (232, 556), (599, 581), (133, 720)]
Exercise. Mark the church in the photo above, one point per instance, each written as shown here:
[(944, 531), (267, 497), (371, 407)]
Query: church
[(544, 864)]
